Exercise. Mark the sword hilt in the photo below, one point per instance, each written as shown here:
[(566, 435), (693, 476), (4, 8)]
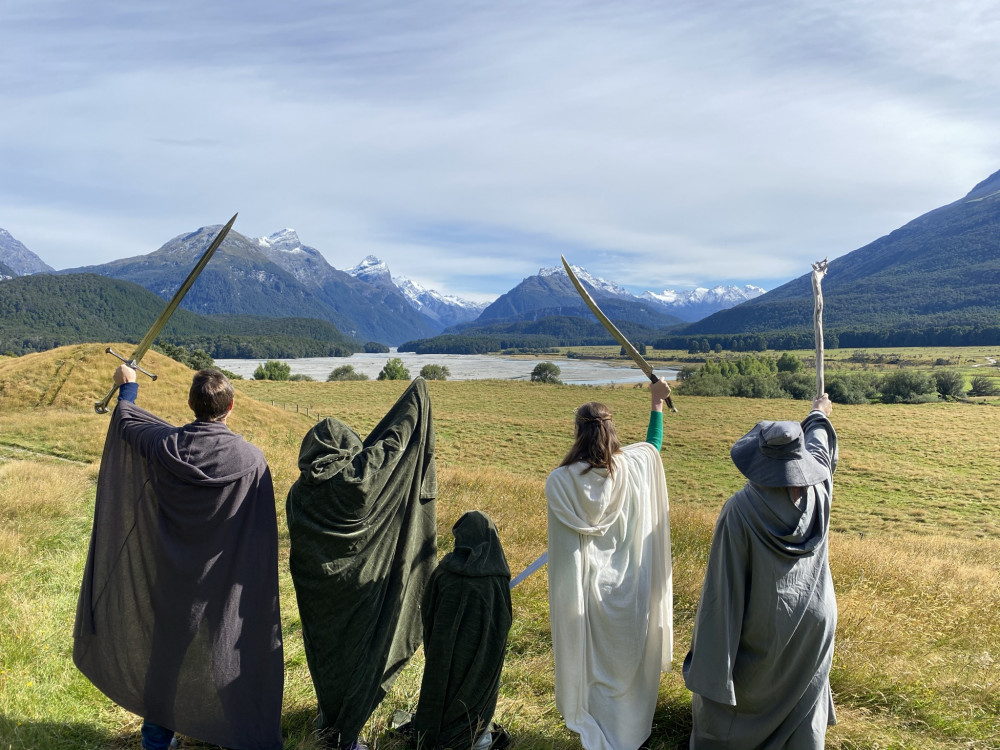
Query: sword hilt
[(670, 402), (101, 407), (130, 362)]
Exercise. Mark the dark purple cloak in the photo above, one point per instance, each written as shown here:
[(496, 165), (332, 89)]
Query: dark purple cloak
[(178, 616)]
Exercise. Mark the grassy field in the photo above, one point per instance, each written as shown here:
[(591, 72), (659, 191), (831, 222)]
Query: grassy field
[(915, 548)]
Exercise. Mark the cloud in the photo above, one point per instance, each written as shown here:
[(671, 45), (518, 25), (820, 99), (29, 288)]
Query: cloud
[(468, 144)]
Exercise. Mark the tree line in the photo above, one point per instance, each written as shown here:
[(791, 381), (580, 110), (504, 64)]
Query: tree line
[(761, 376)]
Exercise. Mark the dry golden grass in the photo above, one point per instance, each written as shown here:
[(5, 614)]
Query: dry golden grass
[(915, 551)]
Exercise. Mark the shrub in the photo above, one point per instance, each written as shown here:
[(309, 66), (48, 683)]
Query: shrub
[(272, 370), (394, 370), (798, 385), (757, 385), (345, 372), (788, 362), (546, 372), (983, 386), (300, 376), (908, 387), (687, 372), (434, 372), (710, 384), (853, 388), (950, 383)]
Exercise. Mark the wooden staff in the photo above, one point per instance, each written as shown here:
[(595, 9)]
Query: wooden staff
[(819, 271)]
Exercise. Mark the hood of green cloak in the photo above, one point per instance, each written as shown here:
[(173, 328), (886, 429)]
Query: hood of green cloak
[(478, 551), (327, 449)]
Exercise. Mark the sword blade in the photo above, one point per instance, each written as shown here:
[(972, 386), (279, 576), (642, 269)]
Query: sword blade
[(542, 559), (613, 329), (101, 407)]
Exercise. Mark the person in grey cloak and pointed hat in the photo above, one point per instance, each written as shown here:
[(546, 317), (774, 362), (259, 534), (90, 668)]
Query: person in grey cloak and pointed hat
[(759, 664)]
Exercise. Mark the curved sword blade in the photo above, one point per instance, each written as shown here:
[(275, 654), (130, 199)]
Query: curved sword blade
[(613, 329)]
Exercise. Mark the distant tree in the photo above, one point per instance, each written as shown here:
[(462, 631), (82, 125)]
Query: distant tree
[(707, 384), (199, 359), (798, 385), (272, 370), (717, 348), (854, 388), (984, 386), (788, 362), (434, 372), (301, 376), (546, 372), (374, 347), (907, 387), (687, 371), (950, 383), (345, 372), (394, 370), (641, 348)]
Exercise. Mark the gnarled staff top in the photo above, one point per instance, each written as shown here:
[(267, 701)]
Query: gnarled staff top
[(818, 272)]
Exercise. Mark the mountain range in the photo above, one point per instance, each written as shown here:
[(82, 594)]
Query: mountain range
[(935, 280), (278, 276)]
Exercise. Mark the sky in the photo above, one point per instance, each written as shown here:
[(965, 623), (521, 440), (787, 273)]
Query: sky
[(661, 145)]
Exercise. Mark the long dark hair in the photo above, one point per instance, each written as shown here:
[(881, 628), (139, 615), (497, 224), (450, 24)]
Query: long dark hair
[(596, 441)]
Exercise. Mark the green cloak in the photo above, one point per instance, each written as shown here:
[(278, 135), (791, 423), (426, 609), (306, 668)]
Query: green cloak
[(361, 520), (467, 616)]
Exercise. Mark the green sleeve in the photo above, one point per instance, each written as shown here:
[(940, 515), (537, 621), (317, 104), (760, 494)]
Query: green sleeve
[(654, 433)]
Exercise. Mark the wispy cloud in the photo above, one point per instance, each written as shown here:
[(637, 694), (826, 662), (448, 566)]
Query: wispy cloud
[(470, 143)]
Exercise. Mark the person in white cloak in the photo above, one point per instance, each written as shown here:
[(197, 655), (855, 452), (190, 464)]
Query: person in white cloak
[(759, 665), (610, 585)]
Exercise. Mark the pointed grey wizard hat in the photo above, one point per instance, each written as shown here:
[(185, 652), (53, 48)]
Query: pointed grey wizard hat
[(774, 454)]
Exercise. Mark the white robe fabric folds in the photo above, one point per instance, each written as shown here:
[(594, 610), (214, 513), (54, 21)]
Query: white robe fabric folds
[(610, 595)]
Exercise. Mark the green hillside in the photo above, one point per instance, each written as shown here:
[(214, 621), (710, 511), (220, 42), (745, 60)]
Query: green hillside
[(44, 311)]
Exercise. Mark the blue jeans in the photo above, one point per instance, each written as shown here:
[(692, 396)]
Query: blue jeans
[(155, 737)]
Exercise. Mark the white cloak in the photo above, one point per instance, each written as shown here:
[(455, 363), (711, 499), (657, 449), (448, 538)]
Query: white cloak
[(610, 595)]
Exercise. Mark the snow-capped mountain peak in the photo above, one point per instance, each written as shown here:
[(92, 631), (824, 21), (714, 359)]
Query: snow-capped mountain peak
[(701, 302), (371, 269), (285, 240), (18, 258), (602, 285)]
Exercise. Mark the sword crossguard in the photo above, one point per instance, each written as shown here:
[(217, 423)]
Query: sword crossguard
[(130, 362)]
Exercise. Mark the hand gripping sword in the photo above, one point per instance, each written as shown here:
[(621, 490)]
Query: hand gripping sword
[(613, 330), (101, 407)]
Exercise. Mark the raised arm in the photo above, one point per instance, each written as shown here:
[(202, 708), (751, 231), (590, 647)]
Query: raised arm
[(821, 438), (658, 393)]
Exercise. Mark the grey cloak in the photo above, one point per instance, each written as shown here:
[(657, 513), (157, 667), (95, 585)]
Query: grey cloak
[(759, 664), (361, 519), (178, 616), (467, 616)]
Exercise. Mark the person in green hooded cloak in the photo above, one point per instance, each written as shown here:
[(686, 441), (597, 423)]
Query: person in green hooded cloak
[(362, 526), (466, 616)]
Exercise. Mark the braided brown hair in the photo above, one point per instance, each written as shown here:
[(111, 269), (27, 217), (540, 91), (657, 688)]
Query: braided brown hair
[(596, 441)]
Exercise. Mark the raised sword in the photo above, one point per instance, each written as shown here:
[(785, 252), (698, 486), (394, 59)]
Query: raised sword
[(613, 330), (101, 407)]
